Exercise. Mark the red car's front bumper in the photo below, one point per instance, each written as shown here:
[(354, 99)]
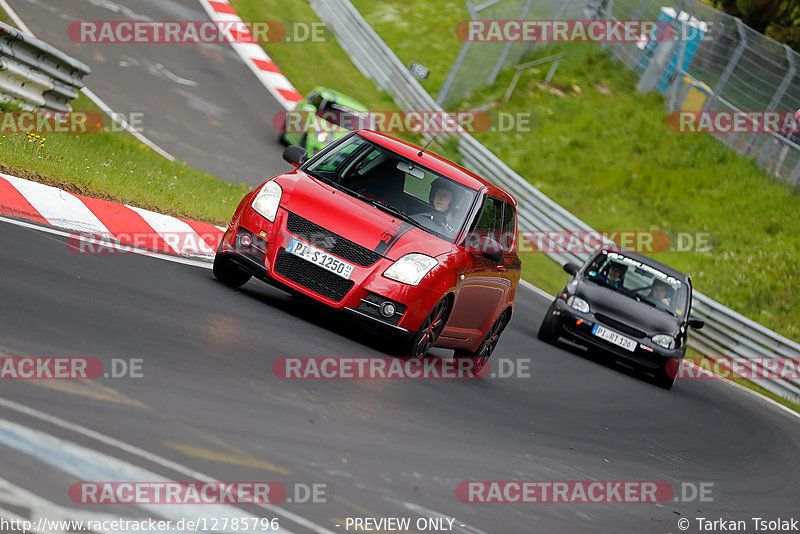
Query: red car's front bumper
[(363, 294)]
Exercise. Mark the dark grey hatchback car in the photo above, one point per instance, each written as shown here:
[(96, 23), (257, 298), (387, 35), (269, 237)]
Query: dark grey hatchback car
[(629, 306)]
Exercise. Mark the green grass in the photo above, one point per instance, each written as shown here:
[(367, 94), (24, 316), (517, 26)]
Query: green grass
[(612, 161), (116, 166), (311, 64), (4, 18)]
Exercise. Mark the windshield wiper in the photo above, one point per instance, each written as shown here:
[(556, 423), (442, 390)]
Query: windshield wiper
[(380, 204), (385, 206)]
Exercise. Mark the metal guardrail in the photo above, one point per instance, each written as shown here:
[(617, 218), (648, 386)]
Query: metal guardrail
[(37, 73), (726, 333)]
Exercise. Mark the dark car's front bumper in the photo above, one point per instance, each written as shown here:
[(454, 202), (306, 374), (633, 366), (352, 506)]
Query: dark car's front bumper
[(577, 327)]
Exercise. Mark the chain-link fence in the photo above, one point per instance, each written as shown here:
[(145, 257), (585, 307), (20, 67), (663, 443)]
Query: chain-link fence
[(714, 64)]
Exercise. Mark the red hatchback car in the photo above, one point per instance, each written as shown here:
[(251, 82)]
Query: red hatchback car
[(392, 234)]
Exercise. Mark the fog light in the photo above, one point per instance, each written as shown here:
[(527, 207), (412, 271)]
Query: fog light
[(245, 240), (388, 309)]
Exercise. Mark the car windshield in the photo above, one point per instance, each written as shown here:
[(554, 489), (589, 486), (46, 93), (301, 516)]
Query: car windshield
[(638, 281), (392, 183), (345, 117)]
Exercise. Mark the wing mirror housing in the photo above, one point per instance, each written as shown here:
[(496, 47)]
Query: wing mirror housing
[(296, 155), (571, 268)]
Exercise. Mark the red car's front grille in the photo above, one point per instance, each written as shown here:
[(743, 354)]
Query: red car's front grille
[(313, 277), (333, 243)]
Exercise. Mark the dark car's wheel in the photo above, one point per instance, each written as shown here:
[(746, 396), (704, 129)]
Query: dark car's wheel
[(548, 330), (422, 341), (481, 356), (665, 375), (227, 272)]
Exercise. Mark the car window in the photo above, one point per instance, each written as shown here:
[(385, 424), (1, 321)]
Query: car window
[(639, 281), (345, 117), (495, 220), (509, 227), (376, 174), (336, 159), (315, 99)]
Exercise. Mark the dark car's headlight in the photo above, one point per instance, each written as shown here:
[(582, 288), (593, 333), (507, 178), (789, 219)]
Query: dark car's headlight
[(664, 340), (267, 200), (578, 303)]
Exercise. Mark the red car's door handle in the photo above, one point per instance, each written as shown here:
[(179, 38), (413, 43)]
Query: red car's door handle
[(500, 268)]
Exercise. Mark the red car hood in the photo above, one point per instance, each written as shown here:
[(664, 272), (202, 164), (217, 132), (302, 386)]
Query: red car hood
[(356, 220)]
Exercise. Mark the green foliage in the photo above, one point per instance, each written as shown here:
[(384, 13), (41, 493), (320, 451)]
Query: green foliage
[(778, 19)]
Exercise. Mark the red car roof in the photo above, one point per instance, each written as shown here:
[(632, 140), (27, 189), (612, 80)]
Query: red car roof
[(435, 163)]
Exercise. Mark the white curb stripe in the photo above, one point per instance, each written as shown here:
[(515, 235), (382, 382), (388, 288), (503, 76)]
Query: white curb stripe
[(68, 211), (276, 83), (58, 207), (178, 235)]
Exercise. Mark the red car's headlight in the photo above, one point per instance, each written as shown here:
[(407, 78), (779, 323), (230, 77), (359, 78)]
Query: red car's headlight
[(267, 201)]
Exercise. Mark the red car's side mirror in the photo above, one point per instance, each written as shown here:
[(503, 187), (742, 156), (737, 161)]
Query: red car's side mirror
[(296, 155)]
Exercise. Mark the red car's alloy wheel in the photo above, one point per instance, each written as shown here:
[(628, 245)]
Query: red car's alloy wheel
[(431, 329), (481, 356)]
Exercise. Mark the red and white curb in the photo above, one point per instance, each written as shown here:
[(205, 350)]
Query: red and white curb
[(254, 56), (104, 220)]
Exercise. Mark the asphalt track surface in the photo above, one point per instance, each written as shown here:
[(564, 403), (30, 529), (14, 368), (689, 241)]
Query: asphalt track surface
[(209, 404), (199, 103)]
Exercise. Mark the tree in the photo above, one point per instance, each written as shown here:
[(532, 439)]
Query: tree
[(779, 19)]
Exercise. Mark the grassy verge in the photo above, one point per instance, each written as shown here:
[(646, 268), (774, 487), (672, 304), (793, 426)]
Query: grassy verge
[(311, 64), (116, 166), (4, 18), (606, 155)]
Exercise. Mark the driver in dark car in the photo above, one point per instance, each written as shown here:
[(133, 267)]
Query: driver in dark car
[(615, 273), (659, 293)]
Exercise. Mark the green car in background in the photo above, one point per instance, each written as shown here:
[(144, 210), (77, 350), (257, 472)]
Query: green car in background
[(322, 117)]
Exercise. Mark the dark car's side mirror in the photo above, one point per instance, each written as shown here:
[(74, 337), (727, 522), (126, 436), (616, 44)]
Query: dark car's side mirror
[(296, 155), (696, 322), (571, 268)]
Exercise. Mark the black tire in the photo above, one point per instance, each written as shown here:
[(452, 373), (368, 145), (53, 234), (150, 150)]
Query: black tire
[(480, 358), (423, 340), (227, 272), (665, 376), (548, 331)]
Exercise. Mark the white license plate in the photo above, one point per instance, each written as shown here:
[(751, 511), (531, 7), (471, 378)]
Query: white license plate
[(612, 337), (320, 257)]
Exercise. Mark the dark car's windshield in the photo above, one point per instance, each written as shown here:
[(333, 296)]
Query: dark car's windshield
[(638, 281), (378, 176)]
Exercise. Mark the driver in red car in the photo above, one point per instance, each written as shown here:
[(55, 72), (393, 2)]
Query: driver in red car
[(442, 199)]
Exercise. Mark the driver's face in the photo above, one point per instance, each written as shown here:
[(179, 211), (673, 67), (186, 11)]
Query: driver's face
[(659, 292), (442, 199)]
